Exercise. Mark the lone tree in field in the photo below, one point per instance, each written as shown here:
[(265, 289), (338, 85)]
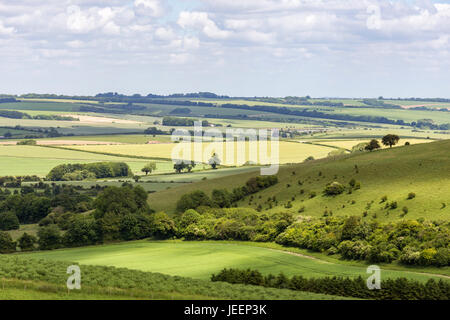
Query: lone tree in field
[(373, 144), (149, 168), (214, 161), (390, 140), (179, 166)]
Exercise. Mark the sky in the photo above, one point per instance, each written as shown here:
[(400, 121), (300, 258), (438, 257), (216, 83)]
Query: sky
[(321, 48)]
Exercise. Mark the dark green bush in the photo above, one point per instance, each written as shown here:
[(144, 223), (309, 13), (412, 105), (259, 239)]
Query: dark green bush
[(334, 189), (391, 289), (9, 221)]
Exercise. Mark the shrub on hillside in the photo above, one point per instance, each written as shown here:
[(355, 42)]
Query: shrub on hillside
[(121, 201), (193, 200), (334, 189), (411, 195), (81, 231), (29, 208), (27, 143), (7, 245), (161, 226), (223, 198), (231, 224), (9, 221), (26, 242), (362, 240), (49, 238)]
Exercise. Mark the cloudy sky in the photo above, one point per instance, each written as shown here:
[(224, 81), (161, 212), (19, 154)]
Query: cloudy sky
[(345, 48)]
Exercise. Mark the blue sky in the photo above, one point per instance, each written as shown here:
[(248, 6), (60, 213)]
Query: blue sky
[(346, 48)]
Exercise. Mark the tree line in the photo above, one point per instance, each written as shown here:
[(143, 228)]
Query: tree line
[(98, 170), (22, 115), (391, 289)]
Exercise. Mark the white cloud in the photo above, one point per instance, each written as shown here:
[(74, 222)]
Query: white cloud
[(202, 22), (6, 30), (75, 44), (166, 34), (79, 21), (152, 8), (179, 58), (254, 34), (190, 43)]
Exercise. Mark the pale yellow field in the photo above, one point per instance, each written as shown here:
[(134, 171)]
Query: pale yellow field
[(289, 152), (349, 144), (95, 119)]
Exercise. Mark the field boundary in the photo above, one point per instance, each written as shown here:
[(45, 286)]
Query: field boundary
[(108, 153)]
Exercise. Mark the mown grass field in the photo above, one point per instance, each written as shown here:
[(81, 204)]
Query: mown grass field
[(201, 259)]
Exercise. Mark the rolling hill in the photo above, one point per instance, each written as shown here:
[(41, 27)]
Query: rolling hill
[(422, 169)]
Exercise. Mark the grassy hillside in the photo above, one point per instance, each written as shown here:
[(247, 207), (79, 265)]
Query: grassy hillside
[(422, 169), (201, 259)]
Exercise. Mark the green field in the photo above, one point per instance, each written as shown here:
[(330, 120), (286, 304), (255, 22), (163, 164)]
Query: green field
[(35, 160), (196, 176), (23, 278), (201, 259), (397, 114)]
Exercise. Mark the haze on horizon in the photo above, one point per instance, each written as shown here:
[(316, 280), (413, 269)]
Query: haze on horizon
[(322, 48)]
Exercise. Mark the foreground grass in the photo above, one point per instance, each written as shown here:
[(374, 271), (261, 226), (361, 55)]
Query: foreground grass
[(17, 272), (201, 259), (33, 290)]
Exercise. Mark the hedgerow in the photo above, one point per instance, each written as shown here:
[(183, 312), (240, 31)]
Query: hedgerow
[(391, 289)]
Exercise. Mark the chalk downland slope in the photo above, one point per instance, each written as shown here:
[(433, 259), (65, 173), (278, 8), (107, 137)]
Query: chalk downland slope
[(422, 170)]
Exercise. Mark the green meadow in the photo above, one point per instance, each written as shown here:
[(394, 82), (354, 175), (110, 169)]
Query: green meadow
[(201, 259), (36, 160)]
